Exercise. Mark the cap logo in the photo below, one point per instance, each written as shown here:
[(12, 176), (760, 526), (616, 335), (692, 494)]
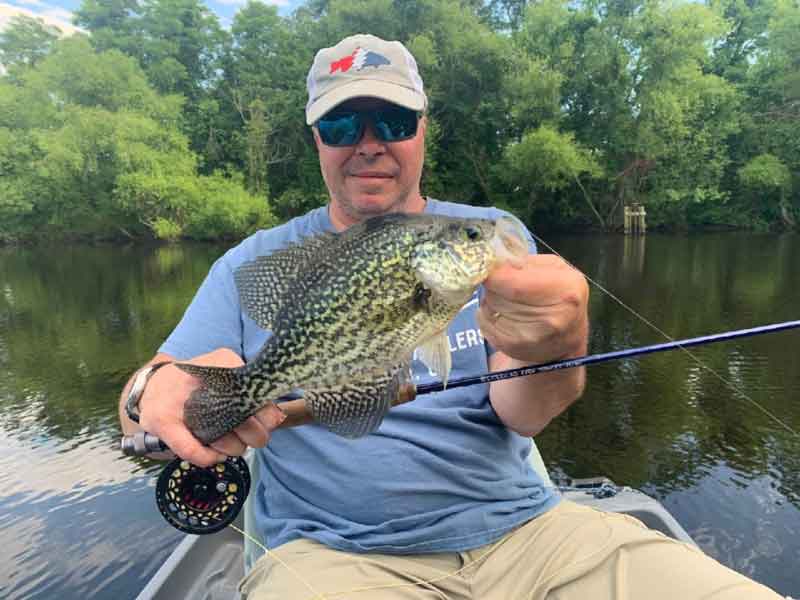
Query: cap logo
[(359, 59)]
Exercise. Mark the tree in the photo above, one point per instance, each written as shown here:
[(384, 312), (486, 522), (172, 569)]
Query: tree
[(103, 154), (112, 24), (766, 174), (564, 111), (24, 42), (178, 44), (546, 160)]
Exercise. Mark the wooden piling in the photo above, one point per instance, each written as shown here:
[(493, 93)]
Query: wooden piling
[(635, 222)]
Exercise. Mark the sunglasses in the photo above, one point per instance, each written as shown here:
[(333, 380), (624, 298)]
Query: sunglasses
[(346, 127)]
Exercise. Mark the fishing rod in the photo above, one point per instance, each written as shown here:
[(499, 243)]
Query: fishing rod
[(592, 359), (202, 500)]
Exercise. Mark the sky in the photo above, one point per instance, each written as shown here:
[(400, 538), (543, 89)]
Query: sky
[(59, 12)]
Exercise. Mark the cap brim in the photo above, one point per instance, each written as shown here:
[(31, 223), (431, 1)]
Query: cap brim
[(365, 88)]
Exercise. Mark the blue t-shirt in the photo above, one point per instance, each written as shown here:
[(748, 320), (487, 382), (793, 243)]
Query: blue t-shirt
[(441, 473)]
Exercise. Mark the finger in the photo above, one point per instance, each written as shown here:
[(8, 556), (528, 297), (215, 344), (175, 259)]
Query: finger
[(270, 416), (188, 447), (541, 278), (487, 326), (502, 315), (229, 444), (253, 433)]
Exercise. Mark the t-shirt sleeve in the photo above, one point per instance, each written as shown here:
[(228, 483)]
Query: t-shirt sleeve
[(212, 320)]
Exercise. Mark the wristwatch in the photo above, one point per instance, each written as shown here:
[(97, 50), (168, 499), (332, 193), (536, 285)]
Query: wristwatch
[(137, 389)]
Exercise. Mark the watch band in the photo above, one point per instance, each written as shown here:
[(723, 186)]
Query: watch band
[(137, 389)]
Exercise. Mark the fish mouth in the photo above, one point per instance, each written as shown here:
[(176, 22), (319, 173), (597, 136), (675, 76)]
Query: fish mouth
[(509, 242)]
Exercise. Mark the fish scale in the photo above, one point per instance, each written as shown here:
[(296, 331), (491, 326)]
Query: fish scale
[(346, 312)]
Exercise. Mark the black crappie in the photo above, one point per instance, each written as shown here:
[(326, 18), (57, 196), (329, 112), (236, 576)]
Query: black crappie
[(347, 312)]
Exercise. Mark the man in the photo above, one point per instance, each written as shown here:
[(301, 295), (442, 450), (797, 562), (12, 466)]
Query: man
[(442, 491)]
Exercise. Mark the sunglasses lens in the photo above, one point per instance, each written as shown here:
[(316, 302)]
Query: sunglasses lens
[(342, 129), (395, 124), (346, 128)]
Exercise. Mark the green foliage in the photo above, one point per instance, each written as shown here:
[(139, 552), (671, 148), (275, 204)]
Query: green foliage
[(564, 112), (24, 41), (768, 180), (766, 172), (546, 161), (205, 207), (102, 155)]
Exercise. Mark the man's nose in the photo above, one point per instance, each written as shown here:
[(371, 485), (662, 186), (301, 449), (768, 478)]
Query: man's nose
[(370, 145)]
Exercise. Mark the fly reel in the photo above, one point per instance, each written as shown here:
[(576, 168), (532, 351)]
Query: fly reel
[(202, 500)]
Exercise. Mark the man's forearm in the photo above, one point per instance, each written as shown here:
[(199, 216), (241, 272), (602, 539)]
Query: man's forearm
[(527, 404)]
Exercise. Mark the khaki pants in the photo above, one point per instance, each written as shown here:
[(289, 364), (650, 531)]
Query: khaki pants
[(571, 552)]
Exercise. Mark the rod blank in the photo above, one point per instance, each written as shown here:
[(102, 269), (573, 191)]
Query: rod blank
[(591, 359)]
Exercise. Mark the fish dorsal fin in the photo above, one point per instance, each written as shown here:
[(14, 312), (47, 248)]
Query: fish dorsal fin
[(435, 353), (357, 408), (263, 283)]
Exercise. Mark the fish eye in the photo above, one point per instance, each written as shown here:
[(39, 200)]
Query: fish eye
[(472, 233)]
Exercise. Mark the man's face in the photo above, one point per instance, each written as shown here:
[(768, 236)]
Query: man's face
[(372, 177)]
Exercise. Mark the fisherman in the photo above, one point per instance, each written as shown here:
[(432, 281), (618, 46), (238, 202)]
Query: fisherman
[(441, 501)]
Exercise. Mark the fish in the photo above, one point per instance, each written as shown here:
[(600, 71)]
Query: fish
[(347, 311)]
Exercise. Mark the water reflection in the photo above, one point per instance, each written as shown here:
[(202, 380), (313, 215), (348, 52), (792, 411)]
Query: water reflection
[(77, 520), (725, 468)]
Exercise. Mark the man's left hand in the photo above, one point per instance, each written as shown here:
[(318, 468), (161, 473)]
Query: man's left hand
[(537, 313)]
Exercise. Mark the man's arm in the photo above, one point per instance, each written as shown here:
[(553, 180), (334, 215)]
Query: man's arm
[(161, 413), (534, 315)]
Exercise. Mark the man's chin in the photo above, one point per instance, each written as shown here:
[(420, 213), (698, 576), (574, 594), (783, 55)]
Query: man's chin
[(375, 204), (359, 205)]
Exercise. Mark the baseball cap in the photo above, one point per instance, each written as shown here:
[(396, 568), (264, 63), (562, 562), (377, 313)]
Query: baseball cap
[(363, 65)]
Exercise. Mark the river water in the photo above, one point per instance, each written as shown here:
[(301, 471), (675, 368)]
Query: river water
[(77, 520)]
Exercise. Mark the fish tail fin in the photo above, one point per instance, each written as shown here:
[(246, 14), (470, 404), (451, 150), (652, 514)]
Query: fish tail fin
[(219, 404)]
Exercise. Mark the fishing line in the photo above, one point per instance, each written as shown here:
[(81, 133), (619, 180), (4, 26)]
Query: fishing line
[(653, 326), (425, 582), (279, 560)]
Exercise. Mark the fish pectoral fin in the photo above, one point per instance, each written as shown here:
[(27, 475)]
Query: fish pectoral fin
[(435, 353), (355, 409)]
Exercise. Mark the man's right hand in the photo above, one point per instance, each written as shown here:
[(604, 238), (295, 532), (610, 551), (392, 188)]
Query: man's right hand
[(161, 413)]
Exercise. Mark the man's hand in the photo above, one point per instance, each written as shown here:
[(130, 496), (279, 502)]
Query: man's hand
[(161, 413), (532, 315), (537, 313)]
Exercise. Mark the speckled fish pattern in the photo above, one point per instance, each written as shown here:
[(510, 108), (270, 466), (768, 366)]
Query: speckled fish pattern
[(346, 312)]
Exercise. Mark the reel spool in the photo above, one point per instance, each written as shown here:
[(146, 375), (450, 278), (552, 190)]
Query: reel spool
[(202, 500)]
